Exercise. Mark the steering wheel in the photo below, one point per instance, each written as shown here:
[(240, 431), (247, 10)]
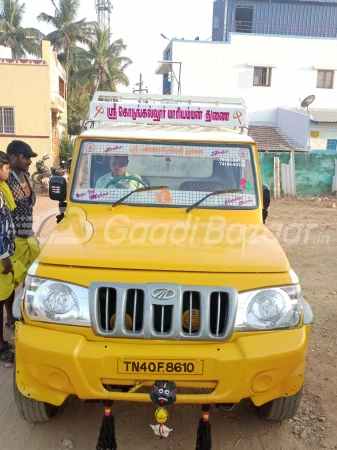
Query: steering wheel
[(115, 181)]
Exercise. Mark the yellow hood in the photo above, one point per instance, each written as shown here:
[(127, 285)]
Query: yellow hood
[(164, 244)]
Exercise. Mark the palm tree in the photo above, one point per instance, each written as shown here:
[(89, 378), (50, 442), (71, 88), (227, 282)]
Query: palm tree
[(68, 31), (102, 66), (22, 41)]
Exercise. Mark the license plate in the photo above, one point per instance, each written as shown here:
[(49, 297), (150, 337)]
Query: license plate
[(176, 367)]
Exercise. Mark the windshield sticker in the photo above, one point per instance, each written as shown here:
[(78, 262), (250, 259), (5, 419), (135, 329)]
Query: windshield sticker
[(243, 153), (164, 197), (94, 196), (172, 151), (113, 149), (232, 162), (219, 152), (246, 185), (125, 149), (232, 200), (90, 147)]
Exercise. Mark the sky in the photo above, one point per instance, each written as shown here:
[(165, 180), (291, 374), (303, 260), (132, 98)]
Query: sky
[(140, 23)]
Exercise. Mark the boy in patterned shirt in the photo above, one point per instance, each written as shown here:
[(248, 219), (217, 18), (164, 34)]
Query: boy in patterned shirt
[(13, 271)]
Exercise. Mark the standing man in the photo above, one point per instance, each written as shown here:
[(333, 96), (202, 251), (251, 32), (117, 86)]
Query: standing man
[(26, 246)]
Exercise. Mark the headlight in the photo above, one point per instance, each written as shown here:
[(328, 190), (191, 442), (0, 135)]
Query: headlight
[(53, 301), (58, 298), (268, 309)]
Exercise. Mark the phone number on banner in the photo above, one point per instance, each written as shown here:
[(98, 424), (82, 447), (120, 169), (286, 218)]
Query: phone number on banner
[(232, 162)]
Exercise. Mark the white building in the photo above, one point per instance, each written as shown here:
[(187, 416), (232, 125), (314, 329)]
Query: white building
[(5, 52), (269, 72), (315, 129)]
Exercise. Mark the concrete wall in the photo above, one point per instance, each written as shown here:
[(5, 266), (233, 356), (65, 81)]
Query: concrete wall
[(28, 92), (325, 131), (31, 87), (224, 69), (295, 125), (314, 172)]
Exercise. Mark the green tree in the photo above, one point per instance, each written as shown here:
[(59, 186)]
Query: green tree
[(102, 63), (66, 147), (22, 41), (78, 105), (68, 30)]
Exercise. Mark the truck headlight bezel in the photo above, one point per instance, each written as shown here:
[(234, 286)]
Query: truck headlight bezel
[(274, 308), (53, 301)]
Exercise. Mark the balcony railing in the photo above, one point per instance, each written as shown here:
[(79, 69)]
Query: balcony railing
[(287, 29), (58, 103)]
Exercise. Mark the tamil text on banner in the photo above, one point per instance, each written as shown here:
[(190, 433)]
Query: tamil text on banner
[(217, 116)]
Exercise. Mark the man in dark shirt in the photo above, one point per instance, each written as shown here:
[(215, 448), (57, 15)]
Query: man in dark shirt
[(26, 246)]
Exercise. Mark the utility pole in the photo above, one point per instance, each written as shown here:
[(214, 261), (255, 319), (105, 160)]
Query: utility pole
[(140, 84)]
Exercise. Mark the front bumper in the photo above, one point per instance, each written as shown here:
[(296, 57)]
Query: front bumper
[(50, 365)]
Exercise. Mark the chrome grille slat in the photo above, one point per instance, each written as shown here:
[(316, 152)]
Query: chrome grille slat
[(218, 314), (204, 314), (107, 310), (162, 319), (191, 307), (134, 311), (217, 311), (120, 311)]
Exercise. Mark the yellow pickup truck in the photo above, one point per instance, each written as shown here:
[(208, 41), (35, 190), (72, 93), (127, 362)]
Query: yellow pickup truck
[(162, 269)]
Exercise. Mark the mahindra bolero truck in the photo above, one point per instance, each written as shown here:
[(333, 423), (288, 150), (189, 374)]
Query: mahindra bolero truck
[(161, 282)]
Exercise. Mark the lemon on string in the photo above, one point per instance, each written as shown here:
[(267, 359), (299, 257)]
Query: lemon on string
[(161, 415), (195, 319), (128, 321)]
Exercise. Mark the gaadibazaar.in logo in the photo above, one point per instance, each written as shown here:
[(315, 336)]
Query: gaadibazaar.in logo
[(118, 230)]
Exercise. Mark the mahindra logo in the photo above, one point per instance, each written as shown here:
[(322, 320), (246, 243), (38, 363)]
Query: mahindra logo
[(162, 294)]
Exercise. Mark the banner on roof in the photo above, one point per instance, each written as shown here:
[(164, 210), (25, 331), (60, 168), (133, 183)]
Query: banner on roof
[(213, 116)]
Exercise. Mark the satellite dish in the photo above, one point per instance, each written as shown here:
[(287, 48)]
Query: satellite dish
[(307, 101)]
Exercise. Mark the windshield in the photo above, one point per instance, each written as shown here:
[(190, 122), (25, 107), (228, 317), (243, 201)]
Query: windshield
[(184, 173)]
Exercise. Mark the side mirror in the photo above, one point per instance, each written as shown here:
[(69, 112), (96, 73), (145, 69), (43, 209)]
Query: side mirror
[(58, 189), (266, 201)]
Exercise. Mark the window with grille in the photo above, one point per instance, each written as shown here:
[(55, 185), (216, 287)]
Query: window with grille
[(332, 145), (244, 19), (325, 79), (216, 23), (262, 76), (7, 120)]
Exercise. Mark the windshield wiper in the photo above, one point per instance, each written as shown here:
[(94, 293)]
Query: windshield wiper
[(143, 189), (230, 191)]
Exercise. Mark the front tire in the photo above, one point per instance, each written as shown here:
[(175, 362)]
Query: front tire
[(282, 408), (32, 410)]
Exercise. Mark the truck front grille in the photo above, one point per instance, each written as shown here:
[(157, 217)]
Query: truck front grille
[(162, 311)]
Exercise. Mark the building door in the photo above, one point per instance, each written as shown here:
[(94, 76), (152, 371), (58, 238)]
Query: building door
[(244, 19)]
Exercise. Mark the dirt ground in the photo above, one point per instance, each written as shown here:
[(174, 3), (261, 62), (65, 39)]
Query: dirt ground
[(314, 260)]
